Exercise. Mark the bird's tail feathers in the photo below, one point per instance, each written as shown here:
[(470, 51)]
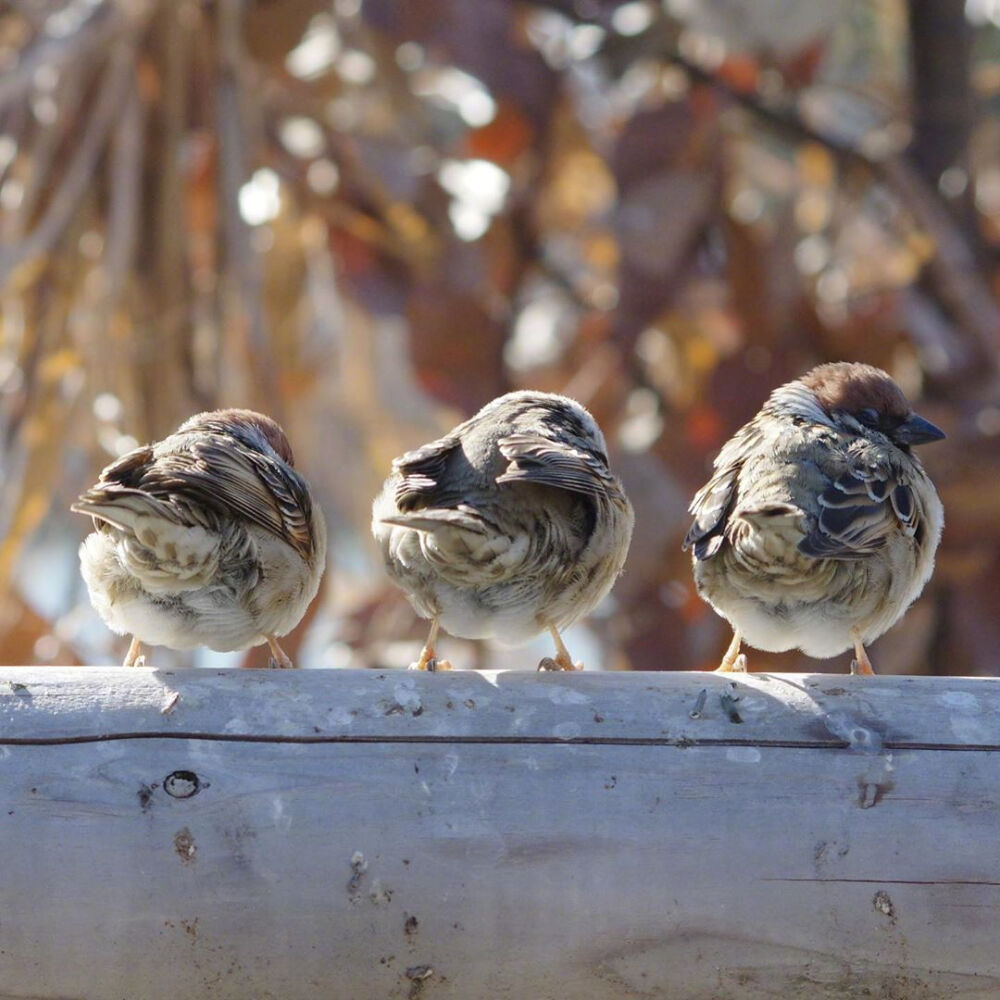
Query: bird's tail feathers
[(438, 520), (122, 507)]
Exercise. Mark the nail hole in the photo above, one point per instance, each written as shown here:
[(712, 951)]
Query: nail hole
[(181, 784)]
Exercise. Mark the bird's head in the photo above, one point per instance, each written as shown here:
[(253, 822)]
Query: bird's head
[(860, 399), (250, 428)]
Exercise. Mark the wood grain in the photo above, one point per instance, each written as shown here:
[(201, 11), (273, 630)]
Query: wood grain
[(392, 835)]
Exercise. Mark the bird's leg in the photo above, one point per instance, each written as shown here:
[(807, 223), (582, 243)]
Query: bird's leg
[(428, 660), (734, 662), (562, 660), (280, 660), (860, 664), (134, 657)]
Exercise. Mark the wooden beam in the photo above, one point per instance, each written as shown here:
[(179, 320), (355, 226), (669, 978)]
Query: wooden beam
[(346, 834)]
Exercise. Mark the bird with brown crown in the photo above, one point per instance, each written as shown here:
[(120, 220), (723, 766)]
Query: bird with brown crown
[(819, 526)]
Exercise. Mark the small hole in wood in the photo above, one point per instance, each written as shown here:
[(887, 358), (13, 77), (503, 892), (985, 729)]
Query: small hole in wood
[(181, 784)]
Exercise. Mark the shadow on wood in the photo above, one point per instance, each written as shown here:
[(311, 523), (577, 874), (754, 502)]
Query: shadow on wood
[(252, 834)]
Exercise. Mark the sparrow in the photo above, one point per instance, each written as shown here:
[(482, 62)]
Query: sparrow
[(819, 525), (509, 525), (206, 538)]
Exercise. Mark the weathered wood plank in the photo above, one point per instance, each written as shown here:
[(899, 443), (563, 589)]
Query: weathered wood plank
[(798, 709), (348, 832)]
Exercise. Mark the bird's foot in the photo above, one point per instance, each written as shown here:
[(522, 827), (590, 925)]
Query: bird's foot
[(279, 659), (558, 662), (134, 657), (734, 662), (562, 660), (429, 662), (738, 665), (861, 664)]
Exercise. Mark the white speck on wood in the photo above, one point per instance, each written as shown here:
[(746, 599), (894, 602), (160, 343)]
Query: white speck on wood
[(963, 700), (406, 697), (379, 894), (567, 730), (567, 696), (971, 730), (339, 717)]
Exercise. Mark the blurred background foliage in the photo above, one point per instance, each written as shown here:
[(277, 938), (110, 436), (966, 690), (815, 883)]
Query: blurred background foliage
[(368, 217)]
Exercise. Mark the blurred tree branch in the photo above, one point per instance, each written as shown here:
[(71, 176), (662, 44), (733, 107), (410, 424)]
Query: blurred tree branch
[(231, 113), (941, 47), (952, 275), (119, 75)]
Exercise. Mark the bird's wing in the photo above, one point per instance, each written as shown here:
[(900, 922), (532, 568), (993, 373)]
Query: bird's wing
[(458, 536), (536, 459), (420, 474), (120, 499), (217, 474), (182, 508), (713, 503), (859, 511)]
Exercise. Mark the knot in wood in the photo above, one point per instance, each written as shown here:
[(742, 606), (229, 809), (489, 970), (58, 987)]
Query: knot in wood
[(181, 784)]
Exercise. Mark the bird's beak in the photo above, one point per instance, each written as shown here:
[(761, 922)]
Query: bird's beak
[(916, 430)]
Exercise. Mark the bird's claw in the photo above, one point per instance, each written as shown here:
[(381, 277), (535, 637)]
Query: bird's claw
[(431, 664), (279, 659), (738, 666), (862, 669), (557, 664)]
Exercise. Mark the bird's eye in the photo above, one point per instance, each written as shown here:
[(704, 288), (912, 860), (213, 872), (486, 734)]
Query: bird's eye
[(870, 417)]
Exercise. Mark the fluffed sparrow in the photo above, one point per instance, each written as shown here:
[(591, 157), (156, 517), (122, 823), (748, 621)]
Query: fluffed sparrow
[(206, 538), (510, 524), (819, 526)]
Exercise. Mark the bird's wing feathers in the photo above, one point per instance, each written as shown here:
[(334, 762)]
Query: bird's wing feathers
[(240, 482), (458, 538), (200, 483), (713, 503), (537, 459), (420, 473), (711, 507), (859, 511), (128, 469)]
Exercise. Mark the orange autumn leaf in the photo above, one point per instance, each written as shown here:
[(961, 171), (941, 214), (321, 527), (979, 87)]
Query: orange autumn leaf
[(741, 72), (504, 139)]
